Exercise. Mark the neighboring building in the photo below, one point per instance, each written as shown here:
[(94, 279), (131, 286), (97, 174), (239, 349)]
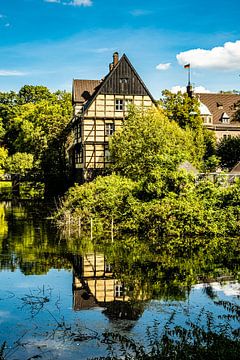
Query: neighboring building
[(217, 112), (100, 107)]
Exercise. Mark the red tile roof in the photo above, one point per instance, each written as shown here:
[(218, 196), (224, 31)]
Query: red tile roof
[(219, 104)]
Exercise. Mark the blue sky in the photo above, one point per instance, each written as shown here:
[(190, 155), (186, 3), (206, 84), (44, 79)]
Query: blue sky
[(50, 42)]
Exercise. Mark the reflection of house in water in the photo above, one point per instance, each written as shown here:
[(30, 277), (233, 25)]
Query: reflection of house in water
[(94, 285)]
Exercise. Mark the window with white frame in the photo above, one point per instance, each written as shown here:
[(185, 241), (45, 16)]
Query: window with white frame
[(119, 104), (108, 268), (118, 290), (109, 129), (225, 118), (122, 104)]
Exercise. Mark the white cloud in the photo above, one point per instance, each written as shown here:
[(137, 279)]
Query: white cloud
[(72, 3), (11, 73), (198, 89), (163, 67), (175, 89), (226, 57), (201, 89), (80, 3)]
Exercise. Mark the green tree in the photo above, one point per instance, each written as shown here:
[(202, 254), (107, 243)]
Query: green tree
[(34, 122), (34, 94), (19, 163), (185, 111), (228, 150), (3, 158), (148, 143)]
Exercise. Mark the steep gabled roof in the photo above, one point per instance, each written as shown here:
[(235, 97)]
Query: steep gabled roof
[(121, 80), (219, 104), (124, 80)]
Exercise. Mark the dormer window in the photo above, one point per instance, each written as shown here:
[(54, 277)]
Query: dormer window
[(219, 105), (225, 118)]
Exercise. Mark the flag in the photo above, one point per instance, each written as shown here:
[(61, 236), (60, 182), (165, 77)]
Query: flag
[(187, 66)]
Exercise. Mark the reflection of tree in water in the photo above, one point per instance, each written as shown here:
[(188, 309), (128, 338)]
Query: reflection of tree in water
[(31, 243)]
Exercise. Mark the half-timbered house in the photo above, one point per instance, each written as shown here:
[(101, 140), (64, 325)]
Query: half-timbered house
[(100, 107)]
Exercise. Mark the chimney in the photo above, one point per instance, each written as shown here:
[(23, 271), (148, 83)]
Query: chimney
[(115, 58), (110, 67)]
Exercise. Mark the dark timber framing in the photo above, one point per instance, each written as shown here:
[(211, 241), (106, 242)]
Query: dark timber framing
[(98, 104)]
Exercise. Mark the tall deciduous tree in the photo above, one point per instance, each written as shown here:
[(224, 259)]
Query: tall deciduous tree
[(228, 151), (185, 111), (33, 122), (148, 142)]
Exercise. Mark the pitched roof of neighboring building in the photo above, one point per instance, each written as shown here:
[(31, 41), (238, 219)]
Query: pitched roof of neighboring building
[(83, 90), (218, 104), (236, 169)]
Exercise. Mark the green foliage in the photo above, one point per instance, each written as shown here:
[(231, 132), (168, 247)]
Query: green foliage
[(34, 122), (182, 109), (195, 341), (228, 151), (19, 163), (149, 143), (3, 157), (185, 111)]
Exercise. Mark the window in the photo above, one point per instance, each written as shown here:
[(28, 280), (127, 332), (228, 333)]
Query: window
[(107, 155), (225, 118), (78, 156), (122, 105), (108, 268), (119, 104), (123, 83), (77, 132), (118, 290), (109, 129)]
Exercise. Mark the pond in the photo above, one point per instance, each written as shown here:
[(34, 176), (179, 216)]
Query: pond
[(58, 296)]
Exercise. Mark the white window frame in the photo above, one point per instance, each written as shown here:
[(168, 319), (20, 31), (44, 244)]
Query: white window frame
[(118, 290), (119, 104), (109, 128)]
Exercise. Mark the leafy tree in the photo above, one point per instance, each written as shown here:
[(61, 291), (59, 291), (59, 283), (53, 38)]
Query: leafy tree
[(228, 151), (34, 94), (148, 143), (3, 157), (182, 109), (19, 163), (34, 122), (185, 111)]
